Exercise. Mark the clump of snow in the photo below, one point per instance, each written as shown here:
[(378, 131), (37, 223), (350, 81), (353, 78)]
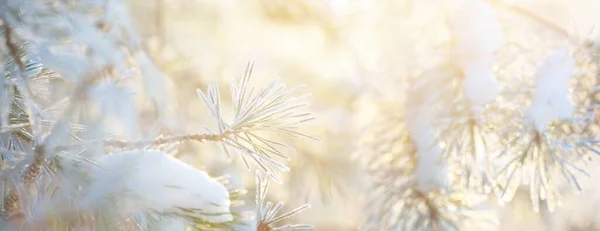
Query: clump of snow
[(479, 84), (551, 99), (431, 172), (477, 36), (155, 181)]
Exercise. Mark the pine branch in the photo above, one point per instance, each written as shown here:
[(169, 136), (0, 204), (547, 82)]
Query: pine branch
[(11, 201), (267, 213), (273, 109)]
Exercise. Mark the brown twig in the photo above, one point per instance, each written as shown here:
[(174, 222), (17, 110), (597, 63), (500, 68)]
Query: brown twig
[(12, 47)]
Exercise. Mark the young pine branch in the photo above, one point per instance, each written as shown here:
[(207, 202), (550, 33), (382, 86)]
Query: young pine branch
[(272, 109)]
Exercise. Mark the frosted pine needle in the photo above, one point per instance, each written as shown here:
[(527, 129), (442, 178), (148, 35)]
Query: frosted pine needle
[(477, 35), (465, 147), (267, 212), (463, 125), (397, 203), (272, 109), (400, 206)]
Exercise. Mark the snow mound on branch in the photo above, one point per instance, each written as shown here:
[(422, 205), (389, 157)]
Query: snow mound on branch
[(551, 100), (155, 181), (477, 36), (431, 172), (479, 84)]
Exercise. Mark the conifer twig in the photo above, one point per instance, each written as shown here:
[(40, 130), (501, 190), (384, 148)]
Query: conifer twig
[(10, 206), (11, 201), (168, 140)]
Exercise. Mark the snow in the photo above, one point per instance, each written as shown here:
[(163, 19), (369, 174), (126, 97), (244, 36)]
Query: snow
[(477, 36), (479, 84), (551, 100), (156, 87), (431, 172), (158, 182)]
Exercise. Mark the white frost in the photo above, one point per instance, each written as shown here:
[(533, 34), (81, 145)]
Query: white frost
[(551, 99), (156, 181)]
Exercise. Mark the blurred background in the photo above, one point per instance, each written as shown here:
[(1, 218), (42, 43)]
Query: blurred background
[(354, 57)]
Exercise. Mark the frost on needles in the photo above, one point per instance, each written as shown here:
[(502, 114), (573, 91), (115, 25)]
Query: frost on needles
[(74, 154)]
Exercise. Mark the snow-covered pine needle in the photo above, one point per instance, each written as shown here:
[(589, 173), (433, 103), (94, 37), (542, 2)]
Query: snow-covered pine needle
[(463, 124), (462, 88), (547, 148), (399, 205), (49, 174), (467, 138), (396, 201), (21, 124)]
